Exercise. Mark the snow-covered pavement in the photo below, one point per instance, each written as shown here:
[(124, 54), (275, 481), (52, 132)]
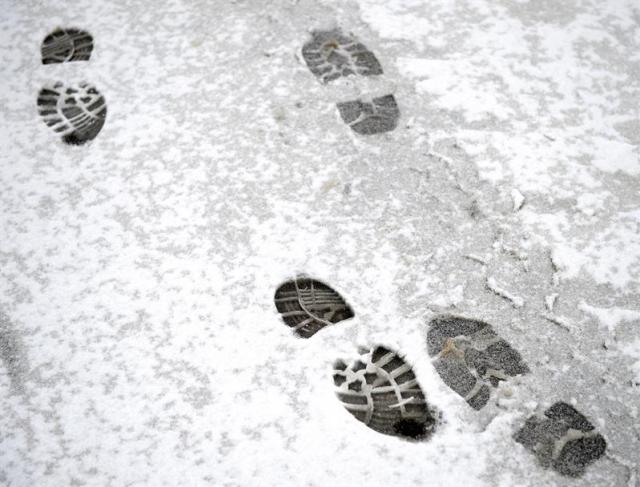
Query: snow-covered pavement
[(140, 344)]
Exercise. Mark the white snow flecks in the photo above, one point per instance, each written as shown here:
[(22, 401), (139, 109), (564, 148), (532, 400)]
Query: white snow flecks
[(561, 321), (590, 204), (614, 155), (542, 98), (550, 301), (451, 297), (517, 198), (607, 250), (452, 84), (516, 301), (633, 351), (612, 317)]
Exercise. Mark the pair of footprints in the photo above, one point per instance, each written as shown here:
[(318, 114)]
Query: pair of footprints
[(332, 54), (381, 390), (77, 112)]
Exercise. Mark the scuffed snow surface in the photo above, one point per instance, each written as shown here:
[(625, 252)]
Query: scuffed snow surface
[(611, 317), (633, 350), (140, 344), (545, 96)]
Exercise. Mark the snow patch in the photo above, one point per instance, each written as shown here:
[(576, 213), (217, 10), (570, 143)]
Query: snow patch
[(451, 297), (614, 155), (454, 86), (610, 317), (518, 199)]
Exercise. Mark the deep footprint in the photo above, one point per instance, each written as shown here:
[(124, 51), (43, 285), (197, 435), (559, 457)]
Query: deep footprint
[(370, 117), (76, 112), (65, 45), (381, 390), (308, 305), (331, 54), (563, 439), (471, 357)]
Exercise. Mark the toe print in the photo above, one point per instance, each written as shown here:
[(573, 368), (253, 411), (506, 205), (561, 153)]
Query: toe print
[(371, 117), (332, 54), (471, 357), (307, 306), (76, 112), (64, 45), (381, 390), (563, 439)]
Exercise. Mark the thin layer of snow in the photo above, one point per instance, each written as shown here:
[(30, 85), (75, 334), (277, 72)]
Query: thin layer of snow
[(633, 351), (528, 97), (611, 317), (138, 271)]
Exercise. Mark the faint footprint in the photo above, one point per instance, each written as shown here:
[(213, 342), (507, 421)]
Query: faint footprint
[(562, 438), (308, 305), (76, 112), (64, 45), (12, 353), (330, 55), (381, 390), (470, 357)]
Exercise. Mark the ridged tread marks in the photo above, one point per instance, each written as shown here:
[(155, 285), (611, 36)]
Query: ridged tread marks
[(471, 357), (76, 112), (370, 117), (563, 439), (308, 305), (381, 390), (65, 45), (331, 54)]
